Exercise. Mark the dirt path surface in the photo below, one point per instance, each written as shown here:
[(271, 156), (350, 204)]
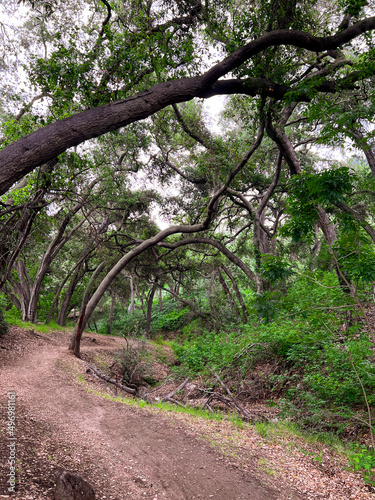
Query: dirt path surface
[(124, 452)]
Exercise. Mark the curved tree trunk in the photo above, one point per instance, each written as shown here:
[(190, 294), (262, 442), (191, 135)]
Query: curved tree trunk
[(75, 339), (37, 148), (64, 309), (151, 242), (55, 301)]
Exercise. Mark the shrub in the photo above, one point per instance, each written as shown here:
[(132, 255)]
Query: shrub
[(170, 319), (3, 324), (129, 324), (208, 352), (136, 367)]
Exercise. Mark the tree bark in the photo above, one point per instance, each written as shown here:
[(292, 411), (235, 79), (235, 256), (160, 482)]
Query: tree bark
[(368, 151), (111, 309), (64, 309), (150, 299), (151, 242), (223, 249), (55, 300), (228, 293), (185, 302), (21, 288), (75, 340), (27, 153), (160, 300), (131, 307), (237, 293)]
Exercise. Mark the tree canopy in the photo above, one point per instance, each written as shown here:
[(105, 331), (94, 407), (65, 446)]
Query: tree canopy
[(109, 159)]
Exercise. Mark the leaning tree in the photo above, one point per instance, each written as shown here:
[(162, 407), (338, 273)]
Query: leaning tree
[(122, 64)]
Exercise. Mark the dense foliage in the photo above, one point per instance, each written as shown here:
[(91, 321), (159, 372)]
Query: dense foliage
[(244, 228)]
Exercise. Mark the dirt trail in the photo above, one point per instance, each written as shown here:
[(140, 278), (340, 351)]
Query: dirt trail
[(125, 452)]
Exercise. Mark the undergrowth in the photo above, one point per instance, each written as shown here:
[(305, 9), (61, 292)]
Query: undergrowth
[(38, 327)]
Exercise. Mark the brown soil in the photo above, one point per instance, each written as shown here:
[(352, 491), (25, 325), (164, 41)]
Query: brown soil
[(127, 452), (124, 452)]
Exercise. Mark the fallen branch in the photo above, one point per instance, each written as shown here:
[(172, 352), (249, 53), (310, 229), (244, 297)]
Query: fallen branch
[(171, 400), (171, 394), (156, 389), (101, 375), (239, 407), (220, 397)]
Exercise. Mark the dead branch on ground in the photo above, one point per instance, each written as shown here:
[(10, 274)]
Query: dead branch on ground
[(101, 375)]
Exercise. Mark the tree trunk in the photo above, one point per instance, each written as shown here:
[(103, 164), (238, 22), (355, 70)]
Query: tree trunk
[(369, 153), (141, 300), (160, 300), (64, 309), (210, 292), (260, 248), (227, 292), (237, 293), (24, 155), (131, 307), (78, 333), (111, 309), (175, 229), (75, 339), (55, 301), (21, 288), (150, 299)]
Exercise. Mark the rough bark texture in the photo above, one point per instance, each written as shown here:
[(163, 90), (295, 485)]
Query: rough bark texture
[(22, 156), (78, 330)]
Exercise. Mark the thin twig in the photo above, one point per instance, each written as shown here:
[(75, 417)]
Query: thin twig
[(365, 396)]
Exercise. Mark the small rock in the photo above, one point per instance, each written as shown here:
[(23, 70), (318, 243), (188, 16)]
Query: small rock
[(73, 487)]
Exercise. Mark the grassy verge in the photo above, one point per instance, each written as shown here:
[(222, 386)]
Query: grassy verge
[(38, 327)]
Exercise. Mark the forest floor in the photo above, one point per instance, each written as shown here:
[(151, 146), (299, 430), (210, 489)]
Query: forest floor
[(68, 420)]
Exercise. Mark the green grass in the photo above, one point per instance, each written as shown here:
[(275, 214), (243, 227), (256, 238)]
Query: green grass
[(271, 431), (27, 325), (159, 341), (284, 431), (164, 406)]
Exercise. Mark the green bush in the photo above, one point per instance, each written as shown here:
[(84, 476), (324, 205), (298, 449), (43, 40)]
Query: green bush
[(128, 324), (207, 353), (363, 460), (322, 355), (136, 367), (170, 319), (4, 327)]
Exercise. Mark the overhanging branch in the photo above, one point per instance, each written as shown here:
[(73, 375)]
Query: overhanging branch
[(22, 156)]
